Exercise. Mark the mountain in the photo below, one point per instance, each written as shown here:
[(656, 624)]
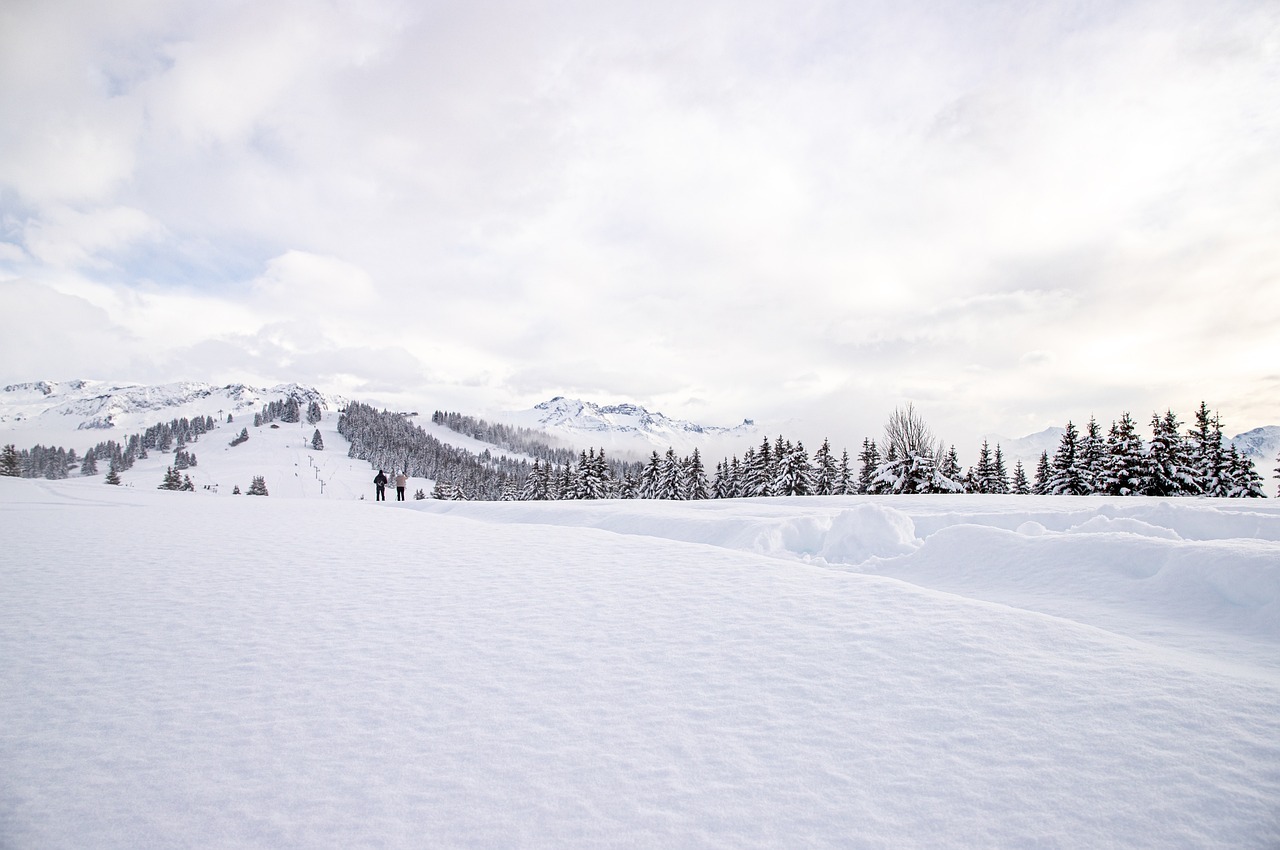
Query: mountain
[(1027, 449), (54, 411), (629, 428), (1261, 445)]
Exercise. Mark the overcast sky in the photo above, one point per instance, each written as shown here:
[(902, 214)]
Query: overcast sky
[(1008, 213)]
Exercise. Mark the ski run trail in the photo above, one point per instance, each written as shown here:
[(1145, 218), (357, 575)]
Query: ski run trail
[(191, 670)]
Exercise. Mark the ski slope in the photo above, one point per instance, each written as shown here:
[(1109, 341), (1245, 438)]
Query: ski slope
[(182, 670)]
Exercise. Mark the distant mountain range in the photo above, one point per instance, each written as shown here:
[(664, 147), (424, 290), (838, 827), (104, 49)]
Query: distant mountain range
[(628, 428), (59, 407), (53, 412)]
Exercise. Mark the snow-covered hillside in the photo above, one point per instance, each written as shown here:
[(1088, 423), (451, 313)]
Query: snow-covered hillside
[(629, 429), (51, 412), (823, 672)]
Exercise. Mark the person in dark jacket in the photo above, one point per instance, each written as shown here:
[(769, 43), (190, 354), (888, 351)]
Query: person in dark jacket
[(380, 485)]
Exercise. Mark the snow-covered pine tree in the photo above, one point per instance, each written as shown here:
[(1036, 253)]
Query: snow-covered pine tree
[(650, 477), (671, 478), (258, 487), (1124, 470), (721, 486), (845, 483), (793, 475), (869, 465), (89, 466), (314, 413), (10, 464), (187, 485), (1245, 482), (1067, 478), (1043, 473), (999, 475), (244, 436), (292, 412), (760, 471), (113, 477), (172, 480), (981, 478), (419, 495), (537, 483), (824, 470), (1020, 486), (948, 478), (440, 490), (696, 475), (1091, 458), (1167, 467), (235, 491), (317, 442), (1208, 457)]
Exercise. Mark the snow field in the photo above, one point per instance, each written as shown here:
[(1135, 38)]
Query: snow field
[(179, 671)]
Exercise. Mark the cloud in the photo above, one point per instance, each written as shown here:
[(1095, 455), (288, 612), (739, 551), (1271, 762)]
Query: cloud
[(996, 209)]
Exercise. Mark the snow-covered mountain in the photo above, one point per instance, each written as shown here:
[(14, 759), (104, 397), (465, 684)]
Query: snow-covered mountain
[(1262, 445), (629, 428), (53, 411)]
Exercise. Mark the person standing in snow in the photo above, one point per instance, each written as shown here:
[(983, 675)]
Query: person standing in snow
[(380, 486), (401, 481)]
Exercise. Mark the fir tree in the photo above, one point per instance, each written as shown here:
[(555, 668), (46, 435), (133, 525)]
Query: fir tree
[(258, 487), (696, 474), (671, 483), (186, 484), (1124, 470), (1208, 458), (113, 477), (317, 442), (244, 436), (948, 478), (1067, 478), (1043, 473), (794, 475), (1092, 456), (172, 481), (844, 477), (1168, 472), (419, 495), (10, 465), (982, 477), (824, 471), (1020, 486), (235, 491), (314, 414), (869, 460), (999, 474), (89, 466)]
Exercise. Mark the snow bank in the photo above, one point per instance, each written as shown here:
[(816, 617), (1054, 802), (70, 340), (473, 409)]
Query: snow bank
[(240, 672)]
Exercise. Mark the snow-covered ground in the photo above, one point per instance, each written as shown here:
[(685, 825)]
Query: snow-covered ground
[(181, 670)]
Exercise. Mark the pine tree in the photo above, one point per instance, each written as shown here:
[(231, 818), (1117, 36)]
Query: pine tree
[(948, 478), (697, 477), (317, 442), (244, 436), (1245, 481), (1020, 486), (793, 476), (89, 466), (1208, 458), (999, 475), (844, 477), (186, 484), (235, 491), (869, 460), (1167, 468), (760, 472), (1043, 473), (314, 414), (258, 487), (671, 484), (1067, 478), (983, 475), (650, 477), (172, 481), (1124, 470), (1092, 456), (10, 465), (113, 477), (824, 471), (419, 495)]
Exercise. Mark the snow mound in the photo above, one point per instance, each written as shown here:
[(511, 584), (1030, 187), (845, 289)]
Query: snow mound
[(868, 531)]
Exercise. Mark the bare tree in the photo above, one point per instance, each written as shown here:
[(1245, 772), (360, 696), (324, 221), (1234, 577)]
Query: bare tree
[(908, 436)]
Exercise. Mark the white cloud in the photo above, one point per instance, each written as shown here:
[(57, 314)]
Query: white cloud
[(1005, 211)]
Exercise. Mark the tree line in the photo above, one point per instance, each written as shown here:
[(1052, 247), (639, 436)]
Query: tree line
[(908, 458)]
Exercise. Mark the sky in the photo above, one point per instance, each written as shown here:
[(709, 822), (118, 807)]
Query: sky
[(1008, 214)]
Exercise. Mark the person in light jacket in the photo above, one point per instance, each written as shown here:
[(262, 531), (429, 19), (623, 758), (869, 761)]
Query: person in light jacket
[(401, 481)]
